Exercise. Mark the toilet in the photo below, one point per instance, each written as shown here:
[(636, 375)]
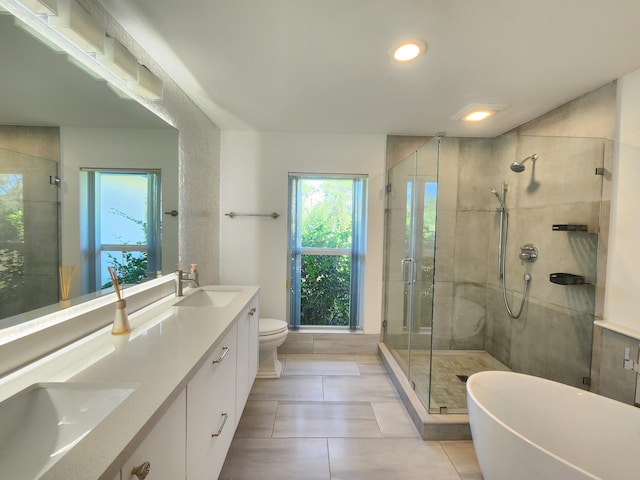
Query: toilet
[(273, 333)]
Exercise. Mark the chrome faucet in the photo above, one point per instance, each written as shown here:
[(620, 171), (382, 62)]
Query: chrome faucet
[(184, 277)]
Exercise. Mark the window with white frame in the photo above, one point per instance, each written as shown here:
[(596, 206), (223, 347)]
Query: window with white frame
[(121, 225)]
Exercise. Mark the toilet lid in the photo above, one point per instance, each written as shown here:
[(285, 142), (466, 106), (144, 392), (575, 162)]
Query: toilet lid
[(269, 326)]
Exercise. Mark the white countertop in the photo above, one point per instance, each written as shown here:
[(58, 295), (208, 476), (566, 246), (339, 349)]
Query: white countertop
[(163, 350)]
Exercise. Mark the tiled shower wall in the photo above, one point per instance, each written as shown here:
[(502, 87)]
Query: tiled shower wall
[(553, 336)]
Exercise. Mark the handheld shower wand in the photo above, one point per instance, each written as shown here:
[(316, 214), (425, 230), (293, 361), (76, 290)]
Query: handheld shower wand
[(499, 197)]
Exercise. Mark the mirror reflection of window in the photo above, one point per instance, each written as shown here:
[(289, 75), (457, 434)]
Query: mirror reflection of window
[(122, 215), (11, 239)]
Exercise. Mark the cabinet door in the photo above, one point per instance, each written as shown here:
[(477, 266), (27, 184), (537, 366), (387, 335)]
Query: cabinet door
[(211, 418), (248, 324), (163, 447)]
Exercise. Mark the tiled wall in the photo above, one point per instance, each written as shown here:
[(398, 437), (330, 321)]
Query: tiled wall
[(552, 338), (608, 376)]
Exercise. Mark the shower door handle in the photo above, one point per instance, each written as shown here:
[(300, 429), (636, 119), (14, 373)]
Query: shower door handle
[(403, 271), (404, 277)]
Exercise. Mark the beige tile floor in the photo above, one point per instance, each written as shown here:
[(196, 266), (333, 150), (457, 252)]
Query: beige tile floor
[(337, 417)]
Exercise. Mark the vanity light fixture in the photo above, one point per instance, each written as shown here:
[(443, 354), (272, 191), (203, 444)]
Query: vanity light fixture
[(147, 84), (75, 23), (407, 51), (74, 31), (118, 59), (41, 7), (476, 112)]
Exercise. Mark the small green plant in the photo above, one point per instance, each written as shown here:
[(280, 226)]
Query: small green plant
[(131, 269)]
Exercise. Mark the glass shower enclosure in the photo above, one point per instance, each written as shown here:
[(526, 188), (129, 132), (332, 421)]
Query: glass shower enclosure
[(444, 309), (410, 263)]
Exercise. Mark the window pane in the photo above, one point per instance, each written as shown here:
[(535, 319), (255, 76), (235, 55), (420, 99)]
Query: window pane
[(429, 217), (123, 208), (324, 290), (326, 213), (125, 226)]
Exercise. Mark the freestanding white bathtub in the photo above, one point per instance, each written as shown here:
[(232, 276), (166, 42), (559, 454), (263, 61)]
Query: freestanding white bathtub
[(526, 427)]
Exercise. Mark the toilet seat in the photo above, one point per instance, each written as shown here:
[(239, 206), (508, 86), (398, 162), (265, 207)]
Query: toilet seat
[(271, 326)]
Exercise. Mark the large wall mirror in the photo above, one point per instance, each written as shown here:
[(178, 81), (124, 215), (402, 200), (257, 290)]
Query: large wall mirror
[(86, 177)]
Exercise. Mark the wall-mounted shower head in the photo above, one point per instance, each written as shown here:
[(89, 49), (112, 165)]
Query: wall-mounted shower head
[(519, 166)]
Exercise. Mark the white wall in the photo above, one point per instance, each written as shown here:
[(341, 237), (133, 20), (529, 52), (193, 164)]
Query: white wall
[(622, 296), (254, 171), (117, 148)]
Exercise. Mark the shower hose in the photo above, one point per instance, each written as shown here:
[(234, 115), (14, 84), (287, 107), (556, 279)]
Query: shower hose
[(526, 277)]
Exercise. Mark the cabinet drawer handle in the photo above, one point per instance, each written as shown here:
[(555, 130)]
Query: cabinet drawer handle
[(142, 470), (224, 420), (252, 311), (225, 350)]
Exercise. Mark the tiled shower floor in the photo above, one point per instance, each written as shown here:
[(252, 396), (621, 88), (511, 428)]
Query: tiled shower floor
[(450, 369)]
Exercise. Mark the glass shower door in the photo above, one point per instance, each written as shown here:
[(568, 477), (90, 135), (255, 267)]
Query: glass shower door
[(399, 260), (425, 195), (410, 254)]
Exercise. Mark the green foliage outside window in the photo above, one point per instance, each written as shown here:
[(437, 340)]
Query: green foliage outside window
[(11, 232), (326, 279), (325, 290)]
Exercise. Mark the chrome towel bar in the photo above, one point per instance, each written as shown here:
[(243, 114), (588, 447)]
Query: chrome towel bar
[(273, 215)]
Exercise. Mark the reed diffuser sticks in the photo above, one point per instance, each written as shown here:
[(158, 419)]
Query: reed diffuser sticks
[(113, 273), (121, 321), (66, 273)]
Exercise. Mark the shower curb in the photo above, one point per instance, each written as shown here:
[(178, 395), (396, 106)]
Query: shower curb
[(430, 427)]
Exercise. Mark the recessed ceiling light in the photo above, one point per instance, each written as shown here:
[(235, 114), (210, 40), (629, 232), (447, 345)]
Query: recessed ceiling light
[(476, 112), (477, 115), (408, 51)]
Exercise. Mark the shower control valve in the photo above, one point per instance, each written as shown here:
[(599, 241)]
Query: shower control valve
[(528, 253)]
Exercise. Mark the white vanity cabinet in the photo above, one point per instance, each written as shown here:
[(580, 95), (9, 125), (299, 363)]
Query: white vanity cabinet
[(162, 450), (248, 338), (211, 409)]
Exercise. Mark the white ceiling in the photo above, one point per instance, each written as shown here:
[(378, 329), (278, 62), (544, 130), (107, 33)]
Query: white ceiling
[(324, 65)]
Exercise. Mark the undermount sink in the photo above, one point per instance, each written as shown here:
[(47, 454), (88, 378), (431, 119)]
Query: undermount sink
[(44, 421), (208, 298)]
